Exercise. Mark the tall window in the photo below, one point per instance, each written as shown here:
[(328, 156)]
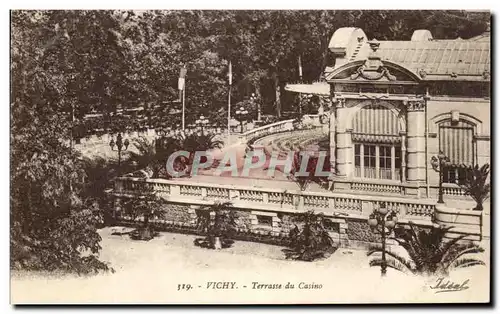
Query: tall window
[(370, 157), (377, 161), (385, 162), (456, 140)]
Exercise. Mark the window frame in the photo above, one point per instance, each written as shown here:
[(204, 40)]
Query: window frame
[(388, 151)]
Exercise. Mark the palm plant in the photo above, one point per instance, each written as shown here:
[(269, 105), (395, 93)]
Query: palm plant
[(312, 241), (201, 142), (147, 205), (154, 154), (475, 184), (218, 222), (429, 252)]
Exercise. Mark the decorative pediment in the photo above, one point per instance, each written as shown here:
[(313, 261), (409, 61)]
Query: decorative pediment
[(372, 70)]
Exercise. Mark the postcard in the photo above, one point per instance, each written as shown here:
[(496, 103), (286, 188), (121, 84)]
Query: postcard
[(250, 157)]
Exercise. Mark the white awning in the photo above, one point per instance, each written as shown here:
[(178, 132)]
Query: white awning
[(315, 88)]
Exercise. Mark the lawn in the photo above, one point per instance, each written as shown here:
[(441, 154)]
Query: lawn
[(150, 272)]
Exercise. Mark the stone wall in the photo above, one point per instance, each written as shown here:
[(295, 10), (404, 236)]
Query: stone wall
[(358, 230), (244, 220), (178, 213)]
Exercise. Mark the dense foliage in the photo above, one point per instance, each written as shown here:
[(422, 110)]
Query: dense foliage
[(429, 252), (105, 60), (311, 240)]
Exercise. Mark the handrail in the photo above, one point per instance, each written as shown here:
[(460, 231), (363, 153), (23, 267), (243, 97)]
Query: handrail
[(249, 134), (272, 199)]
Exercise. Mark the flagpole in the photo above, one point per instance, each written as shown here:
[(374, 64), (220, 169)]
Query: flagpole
[(230, 80), (184, 107), (300, 79), (182, 90), (229, 116)]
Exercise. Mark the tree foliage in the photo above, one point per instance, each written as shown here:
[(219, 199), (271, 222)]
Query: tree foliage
[(105, 60), (475, 184), (430, 252)]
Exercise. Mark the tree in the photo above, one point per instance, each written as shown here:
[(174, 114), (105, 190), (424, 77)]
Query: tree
[(218, 222), (429, 252), (475, 184), (312, 241), (53, 221), (148, 205)]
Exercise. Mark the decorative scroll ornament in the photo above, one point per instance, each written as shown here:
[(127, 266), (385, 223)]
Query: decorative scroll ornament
[(373, 69), (416, 105)]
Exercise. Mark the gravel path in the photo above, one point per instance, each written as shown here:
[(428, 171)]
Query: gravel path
[(151, 272)]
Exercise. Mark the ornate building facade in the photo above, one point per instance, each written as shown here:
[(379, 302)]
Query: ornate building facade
[(395, 104)]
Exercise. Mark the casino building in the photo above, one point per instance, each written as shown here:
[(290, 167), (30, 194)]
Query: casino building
[(393, 105)]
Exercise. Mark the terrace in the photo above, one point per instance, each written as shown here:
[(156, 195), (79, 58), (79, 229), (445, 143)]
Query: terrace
[(260, 193)]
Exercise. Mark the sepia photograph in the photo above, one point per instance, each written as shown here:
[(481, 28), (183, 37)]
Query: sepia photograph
[(250, 157)]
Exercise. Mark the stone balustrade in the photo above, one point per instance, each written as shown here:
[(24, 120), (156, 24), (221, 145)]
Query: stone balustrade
[(277, 200), (352, 209), (277, 127), (453, 190)]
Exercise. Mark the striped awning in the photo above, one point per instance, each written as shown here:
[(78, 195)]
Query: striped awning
[(457, 143), (315, 88), (375, 138), (376, 120)]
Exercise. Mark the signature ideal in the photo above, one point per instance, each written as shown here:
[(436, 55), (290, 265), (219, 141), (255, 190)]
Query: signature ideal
[(443, 285)]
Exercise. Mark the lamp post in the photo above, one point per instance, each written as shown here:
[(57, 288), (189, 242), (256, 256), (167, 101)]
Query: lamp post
[(241, 116), (439, 164), (202, 122), (253, 100), (382, 221), (120, 144)]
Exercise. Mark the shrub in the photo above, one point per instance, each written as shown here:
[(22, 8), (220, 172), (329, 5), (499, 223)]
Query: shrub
[(311, 241), (219, 226)]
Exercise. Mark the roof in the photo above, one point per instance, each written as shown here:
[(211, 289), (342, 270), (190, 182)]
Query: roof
[(468, 57), (430, 59)]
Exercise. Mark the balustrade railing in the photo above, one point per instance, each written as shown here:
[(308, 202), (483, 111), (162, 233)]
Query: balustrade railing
[(452, 190), (383, 188), (276, 199), (277, 127)]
